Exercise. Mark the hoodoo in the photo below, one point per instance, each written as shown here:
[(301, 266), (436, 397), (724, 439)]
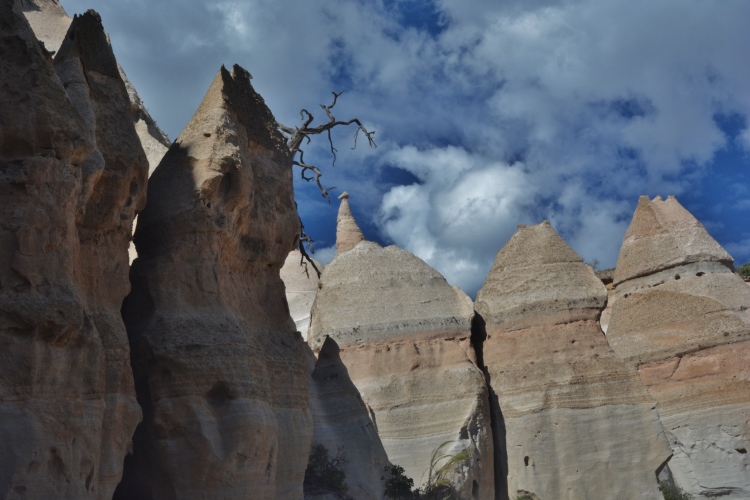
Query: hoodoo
[(573, 420), (682, 317), (348, 233), (220, 370), (73, 176), (405, 338)]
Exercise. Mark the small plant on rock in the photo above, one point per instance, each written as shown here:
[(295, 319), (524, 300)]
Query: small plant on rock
[(398, 486), (744, 270), (673, 492)]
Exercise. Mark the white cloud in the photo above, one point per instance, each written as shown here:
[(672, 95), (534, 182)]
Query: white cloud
[(518, 111)]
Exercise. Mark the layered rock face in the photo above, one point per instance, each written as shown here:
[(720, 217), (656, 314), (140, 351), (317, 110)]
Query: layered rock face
[(341, 421), (72, 177), (301, 284), (50, 23), (574, 421), (683, 318), (404, 335), (220, 370)]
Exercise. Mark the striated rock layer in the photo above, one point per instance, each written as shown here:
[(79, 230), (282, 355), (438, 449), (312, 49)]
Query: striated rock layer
[(72, 177), (682, 317), (404, 335), (341, 421), (301, 284), (220, 370), (574, 421)]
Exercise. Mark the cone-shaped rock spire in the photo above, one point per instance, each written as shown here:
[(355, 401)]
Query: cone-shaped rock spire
[(663, 235), (682, 317), (219, 368), (567, 403), (348, 233)]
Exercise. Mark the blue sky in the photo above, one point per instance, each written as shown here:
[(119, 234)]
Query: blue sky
[(488, 114)]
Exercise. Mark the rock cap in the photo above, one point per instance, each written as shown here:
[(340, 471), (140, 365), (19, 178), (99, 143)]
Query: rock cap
[(662, 235), (518, 293)]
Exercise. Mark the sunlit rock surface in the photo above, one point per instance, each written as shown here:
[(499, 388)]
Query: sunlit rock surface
[(405, 339), (72, 177), (301, 283), (572, 421), (220, 370), (682, 317)]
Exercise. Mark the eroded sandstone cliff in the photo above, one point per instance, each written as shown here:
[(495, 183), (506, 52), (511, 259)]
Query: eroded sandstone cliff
[(301, 285), (682, 317), (572, 421), (405, 339), (220, 370), (72, 177)]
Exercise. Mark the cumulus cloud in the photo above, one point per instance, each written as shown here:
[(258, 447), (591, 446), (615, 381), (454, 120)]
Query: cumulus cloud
[(495, 113)]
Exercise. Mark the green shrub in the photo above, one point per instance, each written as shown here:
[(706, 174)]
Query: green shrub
[(744, 270), (325, 474), (672, 492), (398, 486)]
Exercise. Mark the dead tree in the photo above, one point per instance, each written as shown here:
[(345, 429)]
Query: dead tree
[(295, 136)]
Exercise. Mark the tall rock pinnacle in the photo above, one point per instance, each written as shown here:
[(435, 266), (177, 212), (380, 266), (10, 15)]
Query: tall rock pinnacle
[(73, 178), (348, 233), (682, 318), (219, 367), (571, 419)]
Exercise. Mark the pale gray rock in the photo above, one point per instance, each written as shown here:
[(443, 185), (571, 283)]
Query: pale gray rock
[(405, 338), (67, 401), (682, 317), (301, 284), (220, 370), (572, 420)]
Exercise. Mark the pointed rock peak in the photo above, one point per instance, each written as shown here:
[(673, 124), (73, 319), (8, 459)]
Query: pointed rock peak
[(87, 40), (251, 111), (348, 233), (533, 246), (664, 234), (329, 350)]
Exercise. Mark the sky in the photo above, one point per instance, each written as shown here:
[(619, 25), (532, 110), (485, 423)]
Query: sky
[(488, 114)]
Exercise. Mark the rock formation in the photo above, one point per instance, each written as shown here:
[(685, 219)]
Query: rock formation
[(341, 421), (220, 370), (573, 421), (404, 336), (72, 177), (348, 233), (683, 318), (50, 23), (301, 284)]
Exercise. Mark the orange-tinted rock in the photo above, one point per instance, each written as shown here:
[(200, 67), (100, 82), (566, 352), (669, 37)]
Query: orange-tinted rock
[(73, 176), (219, 368), (683, 318), (348, 233), (573, 421)]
